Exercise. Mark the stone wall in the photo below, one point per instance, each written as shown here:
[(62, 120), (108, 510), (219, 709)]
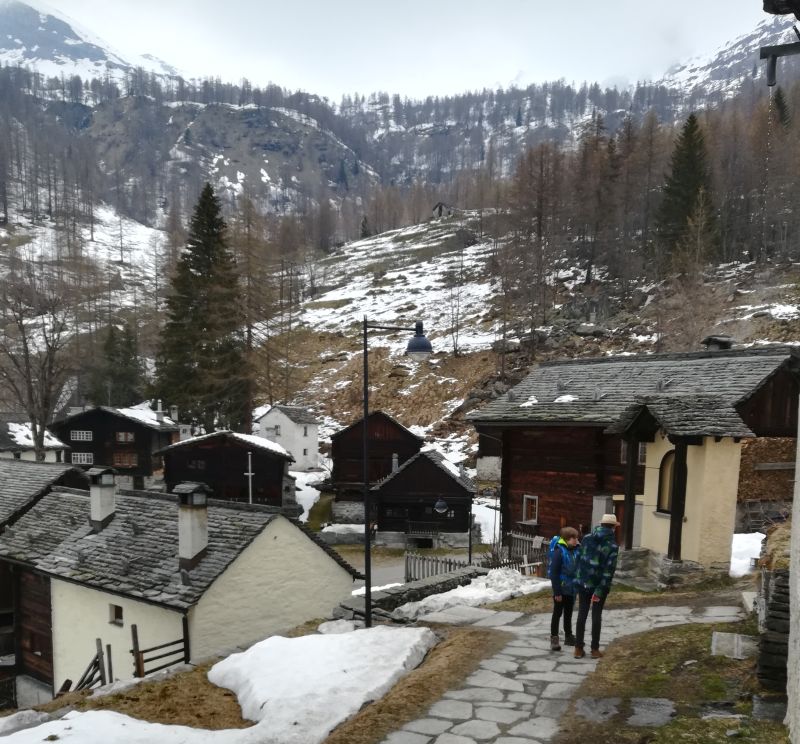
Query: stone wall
[(348, 512), (774, 640), (388, 600)]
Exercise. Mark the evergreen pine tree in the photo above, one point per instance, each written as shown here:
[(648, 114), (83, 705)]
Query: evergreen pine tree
[(118, 380), (202, 363), (341, 178), (687, 188), (365, 231)]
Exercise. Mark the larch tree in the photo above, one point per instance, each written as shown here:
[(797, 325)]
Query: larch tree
[(202, 363)]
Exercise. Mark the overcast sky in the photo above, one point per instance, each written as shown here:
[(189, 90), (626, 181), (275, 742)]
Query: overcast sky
[(416, 48)]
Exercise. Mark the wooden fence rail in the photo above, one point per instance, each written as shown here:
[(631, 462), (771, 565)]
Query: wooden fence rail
[(175, 652), (420, 566)]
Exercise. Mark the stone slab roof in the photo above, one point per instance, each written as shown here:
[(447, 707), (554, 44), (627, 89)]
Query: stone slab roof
[(438, 459), (136, 554), (298, 414), (686, 416), (15, 436), (376, 413), (598, 391), (246, 440), (21, 483), (142, 414)]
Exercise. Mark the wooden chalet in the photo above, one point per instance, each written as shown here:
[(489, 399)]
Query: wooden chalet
[(25, 613), (406, 498), (573, 434), (220, 460), (390, 445), (127, 439)]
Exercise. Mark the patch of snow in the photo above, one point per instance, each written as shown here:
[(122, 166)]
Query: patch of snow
[(566, 399), (361, 590)]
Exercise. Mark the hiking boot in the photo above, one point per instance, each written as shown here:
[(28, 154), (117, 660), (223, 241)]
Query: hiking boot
[(597, 653), (554, 644), (579, 652), (569, 639)]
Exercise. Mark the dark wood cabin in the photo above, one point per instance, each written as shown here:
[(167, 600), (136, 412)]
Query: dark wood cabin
[(405, 500), (387, 439), (555, 430), (126, 439), (220, 460)]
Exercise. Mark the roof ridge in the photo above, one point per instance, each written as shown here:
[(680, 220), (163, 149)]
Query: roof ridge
[(775, 350)]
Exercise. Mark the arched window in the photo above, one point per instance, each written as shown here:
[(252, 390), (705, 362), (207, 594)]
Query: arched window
[(665, 474)]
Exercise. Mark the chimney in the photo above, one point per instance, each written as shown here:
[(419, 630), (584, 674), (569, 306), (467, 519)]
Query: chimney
[(192, 523), (395, 462), (159, 412), (173, 414), (102, 491)]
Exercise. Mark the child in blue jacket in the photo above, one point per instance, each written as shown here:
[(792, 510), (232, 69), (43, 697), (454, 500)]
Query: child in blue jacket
[(562, 577)]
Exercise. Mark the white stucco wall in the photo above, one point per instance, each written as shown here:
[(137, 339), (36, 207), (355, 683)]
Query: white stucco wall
[(81, 614), (279, 581), (793, 664), (30, 456), (489, 468), (711, 487), (292, 439)]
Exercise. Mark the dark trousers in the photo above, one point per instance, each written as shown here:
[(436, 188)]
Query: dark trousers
[(564, 606), (584, 605)]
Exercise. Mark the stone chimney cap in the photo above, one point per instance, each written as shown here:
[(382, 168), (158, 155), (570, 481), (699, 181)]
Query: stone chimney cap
[(96, 476), (718, 342)]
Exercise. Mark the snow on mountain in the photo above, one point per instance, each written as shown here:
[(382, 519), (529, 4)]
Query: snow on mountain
[(42, 38), (724, 69)]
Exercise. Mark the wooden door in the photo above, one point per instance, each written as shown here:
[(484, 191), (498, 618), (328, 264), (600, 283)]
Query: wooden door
[(34, 627)]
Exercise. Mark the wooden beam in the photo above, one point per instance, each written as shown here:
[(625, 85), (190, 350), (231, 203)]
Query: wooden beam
[(774, 466), (632, 455), (678, 508)]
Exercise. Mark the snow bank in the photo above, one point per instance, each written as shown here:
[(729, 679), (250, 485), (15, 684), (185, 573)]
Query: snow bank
[(498, 585), (743, 548), (298, 689), (273, 680)]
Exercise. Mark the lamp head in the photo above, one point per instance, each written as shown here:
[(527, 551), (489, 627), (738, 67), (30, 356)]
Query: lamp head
[(419, 348)]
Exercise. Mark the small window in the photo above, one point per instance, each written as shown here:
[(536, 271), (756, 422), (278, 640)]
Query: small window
[(196, 464), (80, 436), (58, 455), (18, 455), (623, 453), (530, 509), (125, 436), (82, 458), (305, 453), (665, 476), (125, 459), (305, 431), (277, 430), (115, 614)]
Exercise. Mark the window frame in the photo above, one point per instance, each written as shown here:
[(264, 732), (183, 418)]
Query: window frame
[(666, 469), (125, 459), (116, 615), (527, 499), (81, 435), (84, 458), (641, 458), (125, 437)]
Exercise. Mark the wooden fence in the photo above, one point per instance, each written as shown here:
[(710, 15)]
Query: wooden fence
[(170, 653), (420, 566)]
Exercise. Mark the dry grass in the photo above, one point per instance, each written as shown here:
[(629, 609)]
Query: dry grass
[(779, 541), (654, 664), (445, 668)]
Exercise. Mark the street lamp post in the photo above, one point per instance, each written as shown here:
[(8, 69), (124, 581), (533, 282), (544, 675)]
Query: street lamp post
[(419, 349)]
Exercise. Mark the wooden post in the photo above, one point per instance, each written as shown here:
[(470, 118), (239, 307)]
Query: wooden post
[(187, 649), (100, 663), (138, 667), (108, 660), (632, 452), (678, 508)]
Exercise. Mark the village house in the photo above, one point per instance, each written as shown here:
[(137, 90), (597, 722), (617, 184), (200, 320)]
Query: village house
[(16, 441), (296, 430), (390, 445), (203, 576), (127, 439), (407, 500), (658, 437), (235, 467)]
